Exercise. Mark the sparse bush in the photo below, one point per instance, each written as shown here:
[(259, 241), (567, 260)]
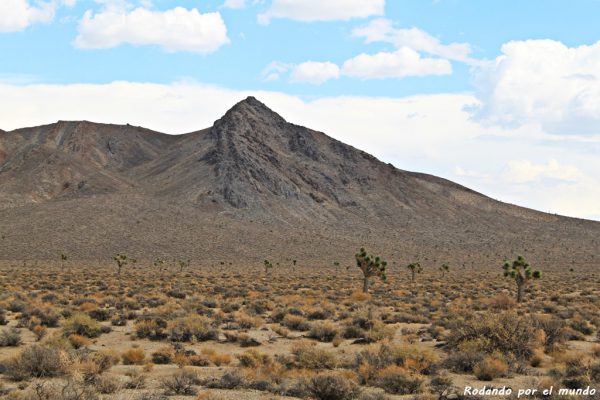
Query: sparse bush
[(133, 357), (490, 368), (397, 380), (164, 355), (151, 328), (254, 359), (180, 383), (295, 322), (10, 337), (37, 362), (311, 357), (330, 386), (505, 333), (193, 327), (323, 331), (462, 362), (83, 325)]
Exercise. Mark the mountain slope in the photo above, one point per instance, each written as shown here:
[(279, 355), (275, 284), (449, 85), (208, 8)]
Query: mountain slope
[(251, 186)]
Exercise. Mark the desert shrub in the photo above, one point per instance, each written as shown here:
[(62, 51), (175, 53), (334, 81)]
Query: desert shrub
[(133, 357), (78, 341), (39, 331), (462, 362), (247, 340), (136, 380), (397, 380), (505, 333), (187, 328), (106, 384), (319, 314), (46, 317), (151, 328), (490, 368), (295, 323), (323, 331), (10, 337), (164, 355), (37, 362), (69, 390), (83, 325), (105, 359), (311, 357), (151, 396), (370, 361), (331, 386), (554, 329), (246, 321), (180, 383), (254, 359), (583, 326), (17, 306), (100, 314), (502, 301), (229, 380), (3, 320), (379, 331)]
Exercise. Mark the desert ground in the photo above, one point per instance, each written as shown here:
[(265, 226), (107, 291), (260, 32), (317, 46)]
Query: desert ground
[(169, 330)]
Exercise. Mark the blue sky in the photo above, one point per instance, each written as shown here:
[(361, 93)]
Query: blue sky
[(501, 96)]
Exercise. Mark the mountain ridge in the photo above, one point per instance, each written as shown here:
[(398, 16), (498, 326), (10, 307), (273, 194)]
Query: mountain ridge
[(256, 179)]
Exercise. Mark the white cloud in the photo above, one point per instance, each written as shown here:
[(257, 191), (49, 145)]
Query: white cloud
[(543, 82), (275, 70), (178, 29), (430, 133), (398, 64), (314, 72), (382, 30), (524, 171), (235, 4), (16, 15), (319, 10)]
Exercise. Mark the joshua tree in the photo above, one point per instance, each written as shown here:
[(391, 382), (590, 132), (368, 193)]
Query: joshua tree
[(336, 264), (121, 260), (444, 268), (158, 263), (63, 258), (370, 266), (522, 273), (415, 268), (268, 266), (183, 264)]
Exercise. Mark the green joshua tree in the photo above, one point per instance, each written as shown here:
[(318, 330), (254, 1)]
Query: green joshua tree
[(158, 263), (522, 273), (63, 259), (415, 268), (183, 264), (121, 260), (444, 268), (336, 264), (370, 266), (268, 265)]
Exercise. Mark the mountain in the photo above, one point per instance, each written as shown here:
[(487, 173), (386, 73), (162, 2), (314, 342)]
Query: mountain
[(252, 186)]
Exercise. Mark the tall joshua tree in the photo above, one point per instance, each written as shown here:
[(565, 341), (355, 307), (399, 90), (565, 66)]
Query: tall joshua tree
[(121, 260), (370, 266), (415, 268), (522, 273), (268, 265), (444, 268), (183, 264)]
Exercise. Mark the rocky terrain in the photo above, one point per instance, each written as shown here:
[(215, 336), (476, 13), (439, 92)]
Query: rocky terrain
[(252, 186)]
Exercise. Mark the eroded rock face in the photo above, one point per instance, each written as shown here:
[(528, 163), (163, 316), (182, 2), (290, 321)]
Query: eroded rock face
[(250, 181)]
